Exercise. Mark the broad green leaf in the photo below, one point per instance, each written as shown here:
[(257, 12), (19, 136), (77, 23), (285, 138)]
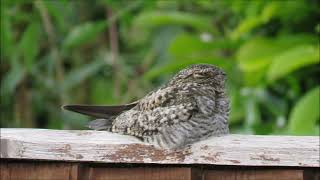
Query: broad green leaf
[(305, 114), (188, 45), (252, 79), (257, 54), (269, 11), (286, 10), (29, 44), (291, 60), (84, 33), (156, 19), (79, 75), (253, 20), (245, 26)]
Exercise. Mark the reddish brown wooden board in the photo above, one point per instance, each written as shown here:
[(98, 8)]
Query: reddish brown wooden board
[(39, 170)]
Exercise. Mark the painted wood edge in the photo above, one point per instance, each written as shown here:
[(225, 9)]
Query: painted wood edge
[(104, 147)]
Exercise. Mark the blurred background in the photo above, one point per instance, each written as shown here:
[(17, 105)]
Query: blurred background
[(55, 52)]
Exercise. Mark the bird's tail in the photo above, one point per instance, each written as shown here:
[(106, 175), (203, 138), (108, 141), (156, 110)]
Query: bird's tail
[(99, 111), (101, 124), (105, 114)]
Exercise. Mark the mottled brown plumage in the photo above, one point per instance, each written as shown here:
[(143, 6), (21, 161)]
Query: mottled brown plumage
[(190, 107)]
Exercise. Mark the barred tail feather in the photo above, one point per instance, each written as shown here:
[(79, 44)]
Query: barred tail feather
[(101, 124)]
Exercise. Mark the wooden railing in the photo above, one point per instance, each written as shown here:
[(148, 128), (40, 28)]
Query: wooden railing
[(78, 154)]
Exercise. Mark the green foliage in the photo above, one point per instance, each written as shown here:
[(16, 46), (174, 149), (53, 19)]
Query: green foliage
[(292, 59), (28, 45), (84, 33), (80, 74), (6, 33), (305, 114), (156, 19), (57, 52), (280, 55), (12, 79)]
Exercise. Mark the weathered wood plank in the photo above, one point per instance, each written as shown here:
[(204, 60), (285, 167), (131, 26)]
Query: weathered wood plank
[(21, 169), (34, 170), (241, 174), (97, 146), (140, 173), (38, 171)]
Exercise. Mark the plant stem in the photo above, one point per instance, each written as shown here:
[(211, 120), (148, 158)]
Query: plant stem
[(114, 45), (52, 42)]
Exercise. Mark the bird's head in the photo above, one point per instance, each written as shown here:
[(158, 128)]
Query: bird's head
[(200, 73)]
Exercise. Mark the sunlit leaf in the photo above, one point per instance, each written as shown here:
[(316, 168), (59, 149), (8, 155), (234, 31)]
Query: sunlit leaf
[(305, 114), (245, 26), (255, 56), (270, 10), (292, 59), (256, 15), (187, 45), (285, 10), (156, 19), (259, 52), (84, 33)]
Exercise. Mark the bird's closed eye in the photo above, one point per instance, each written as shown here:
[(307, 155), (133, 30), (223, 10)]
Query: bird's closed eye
[(198, 75)]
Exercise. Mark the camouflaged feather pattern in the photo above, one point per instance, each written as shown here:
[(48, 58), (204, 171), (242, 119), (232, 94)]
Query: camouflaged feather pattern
[(191, 107)]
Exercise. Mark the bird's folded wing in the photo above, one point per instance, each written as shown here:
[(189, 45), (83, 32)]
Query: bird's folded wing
[(148, 122)]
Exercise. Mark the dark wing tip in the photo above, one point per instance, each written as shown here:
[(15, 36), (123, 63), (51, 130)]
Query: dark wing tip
[(64, 107), (70, 107), (67, 107), (97, 110)]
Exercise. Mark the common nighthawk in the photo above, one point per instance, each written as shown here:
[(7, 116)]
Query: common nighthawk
[(191, 107)]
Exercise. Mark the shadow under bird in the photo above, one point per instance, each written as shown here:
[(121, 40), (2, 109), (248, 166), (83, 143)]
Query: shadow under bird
[(191, 107)]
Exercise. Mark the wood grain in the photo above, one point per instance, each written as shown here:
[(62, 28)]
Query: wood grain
[(38, 171), (97, 146), (238, 174), (45, 170), (140, 173)]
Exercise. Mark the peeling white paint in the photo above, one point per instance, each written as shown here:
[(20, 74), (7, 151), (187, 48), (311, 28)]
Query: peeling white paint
[(99, 146)]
